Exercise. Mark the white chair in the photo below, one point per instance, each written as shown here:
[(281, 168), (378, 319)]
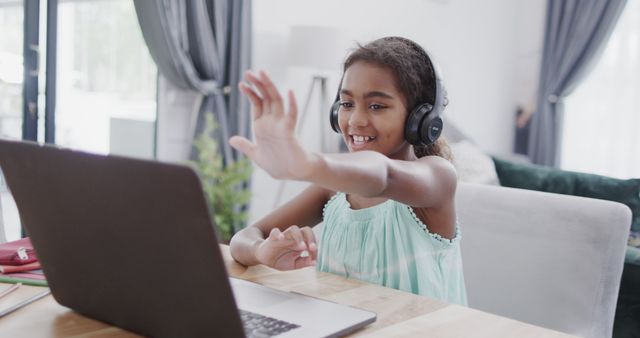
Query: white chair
[(546, 259)]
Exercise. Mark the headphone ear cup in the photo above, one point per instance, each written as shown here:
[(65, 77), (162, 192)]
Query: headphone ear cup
[(431, 129), (415, 122), (334, 117)]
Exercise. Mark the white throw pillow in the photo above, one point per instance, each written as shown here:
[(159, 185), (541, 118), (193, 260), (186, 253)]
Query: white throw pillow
[(472, 164)]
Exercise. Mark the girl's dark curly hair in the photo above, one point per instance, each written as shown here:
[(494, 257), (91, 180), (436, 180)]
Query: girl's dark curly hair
[(414, 76)]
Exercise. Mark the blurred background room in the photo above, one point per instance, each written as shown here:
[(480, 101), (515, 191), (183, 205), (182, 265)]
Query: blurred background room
[(543, 85)]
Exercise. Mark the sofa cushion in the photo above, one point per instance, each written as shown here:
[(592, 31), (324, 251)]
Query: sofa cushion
[(535, 177), (472, 164)]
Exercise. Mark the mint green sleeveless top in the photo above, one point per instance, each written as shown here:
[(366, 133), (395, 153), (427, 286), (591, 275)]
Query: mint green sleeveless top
[(387, 244)]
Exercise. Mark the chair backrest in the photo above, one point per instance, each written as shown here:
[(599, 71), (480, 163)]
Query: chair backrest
[(546, 259)]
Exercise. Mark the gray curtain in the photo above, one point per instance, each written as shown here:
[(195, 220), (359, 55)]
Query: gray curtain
[(203, 45), (575, 35)]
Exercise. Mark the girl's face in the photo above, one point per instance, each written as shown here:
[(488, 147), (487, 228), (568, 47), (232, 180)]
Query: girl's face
[(373, 111)]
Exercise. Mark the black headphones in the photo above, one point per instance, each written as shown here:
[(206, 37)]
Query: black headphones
[(424, 123)]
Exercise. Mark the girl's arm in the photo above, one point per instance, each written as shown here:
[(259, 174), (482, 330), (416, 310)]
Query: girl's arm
[(429, 182), (279, 238)]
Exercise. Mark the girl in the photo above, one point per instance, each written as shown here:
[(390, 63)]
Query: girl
[(387, 205)]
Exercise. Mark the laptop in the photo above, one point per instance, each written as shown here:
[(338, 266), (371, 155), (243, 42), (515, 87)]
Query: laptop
[(131, 243)]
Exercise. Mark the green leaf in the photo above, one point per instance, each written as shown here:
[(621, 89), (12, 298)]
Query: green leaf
[(223, 186)]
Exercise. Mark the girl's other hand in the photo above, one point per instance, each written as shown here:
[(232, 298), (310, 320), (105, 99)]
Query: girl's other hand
[(276, 149), (294, 248)]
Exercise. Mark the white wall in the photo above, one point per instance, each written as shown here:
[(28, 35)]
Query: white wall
[(488, 52)]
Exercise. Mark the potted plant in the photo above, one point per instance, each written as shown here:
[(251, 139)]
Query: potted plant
[(225, 186)]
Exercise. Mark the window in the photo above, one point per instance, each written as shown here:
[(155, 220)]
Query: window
[(106, 79), (11, 73), (105, 83), (11, 26), (602, 116)]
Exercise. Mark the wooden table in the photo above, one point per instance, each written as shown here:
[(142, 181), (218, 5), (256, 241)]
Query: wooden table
[(400, 314)]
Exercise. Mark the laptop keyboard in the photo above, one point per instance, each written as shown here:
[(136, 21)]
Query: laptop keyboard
[(258, 326)]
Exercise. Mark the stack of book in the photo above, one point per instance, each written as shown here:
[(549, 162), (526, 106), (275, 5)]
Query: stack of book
[(19, 264)]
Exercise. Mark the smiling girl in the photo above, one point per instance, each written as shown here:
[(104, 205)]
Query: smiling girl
[(388, 205)]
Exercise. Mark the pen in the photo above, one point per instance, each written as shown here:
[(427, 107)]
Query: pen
[(24, 303), (10, 289)]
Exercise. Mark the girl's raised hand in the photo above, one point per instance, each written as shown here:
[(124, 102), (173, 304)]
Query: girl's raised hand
[(276, 149), (294, 248)]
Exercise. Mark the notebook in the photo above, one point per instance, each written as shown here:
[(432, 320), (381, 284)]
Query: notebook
[(19, 264), (131, 243)]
